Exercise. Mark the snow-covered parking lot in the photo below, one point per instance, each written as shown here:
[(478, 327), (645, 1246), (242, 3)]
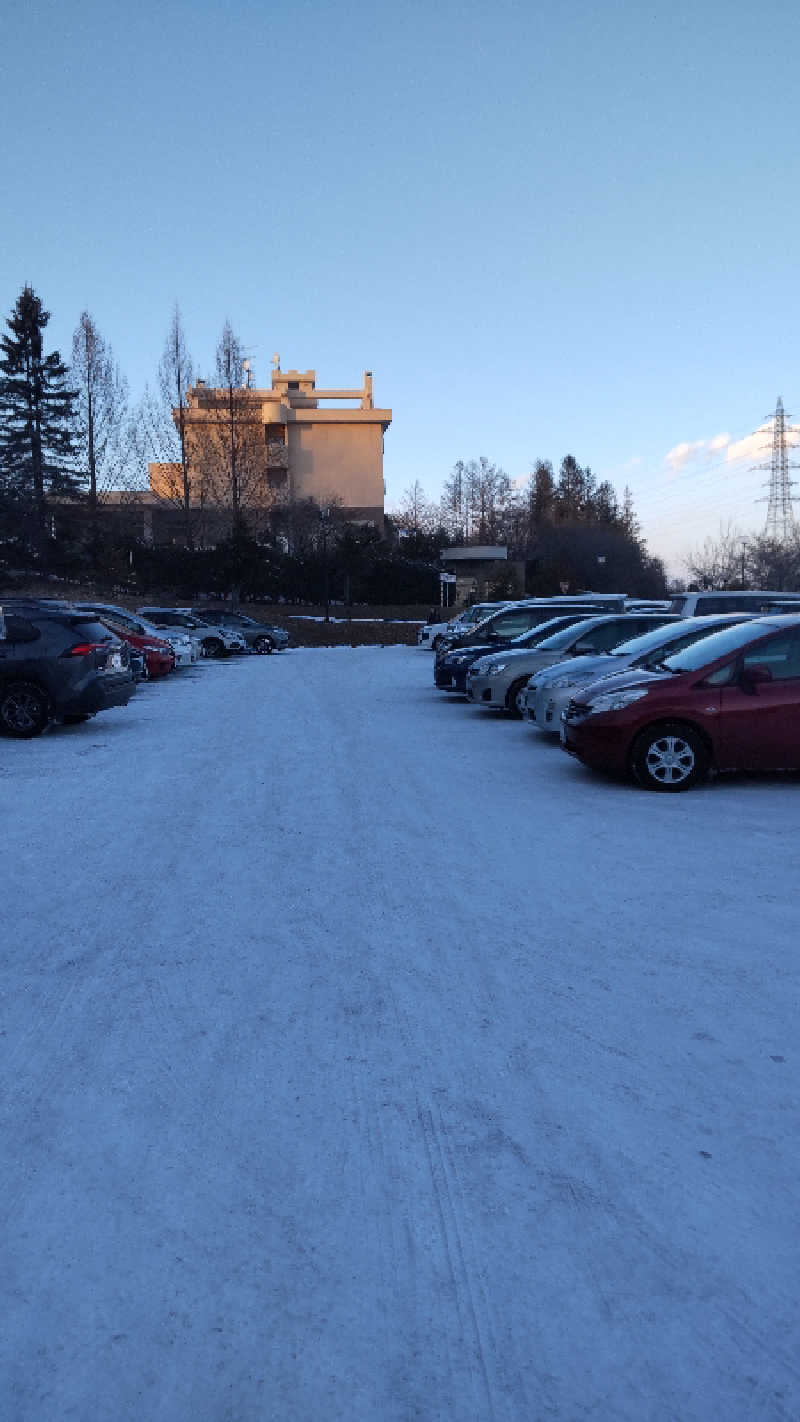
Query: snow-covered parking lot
[(365, 1058)]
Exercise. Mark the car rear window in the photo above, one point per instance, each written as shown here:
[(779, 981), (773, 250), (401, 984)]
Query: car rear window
[(20, 629), (163, 617), (89, 629)]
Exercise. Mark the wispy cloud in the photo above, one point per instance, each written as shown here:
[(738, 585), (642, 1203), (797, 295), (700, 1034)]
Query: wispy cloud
[(682, 453), (755, 446)]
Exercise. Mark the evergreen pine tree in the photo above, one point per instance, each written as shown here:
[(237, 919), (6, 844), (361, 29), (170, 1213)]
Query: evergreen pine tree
[(37, 440), (630, 522), (606, 505), (542, 494), (570, 490)]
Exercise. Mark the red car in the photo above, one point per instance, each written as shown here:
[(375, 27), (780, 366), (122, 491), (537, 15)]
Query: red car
[(731, 702)]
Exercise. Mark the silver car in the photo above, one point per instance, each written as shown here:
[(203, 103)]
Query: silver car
[(499, 679), (261, 637), (548, 693)]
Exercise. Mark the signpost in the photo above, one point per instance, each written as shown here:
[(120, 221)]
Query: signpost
[(445, 579)]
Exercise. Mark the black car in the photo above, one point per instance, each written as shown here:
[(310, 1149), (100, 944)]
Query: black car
[(450, 669), (57, 664)]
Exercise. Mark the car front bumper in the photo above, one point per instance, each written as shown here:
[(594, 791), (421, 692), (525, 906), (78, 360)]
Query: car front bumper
[(451, 679), (487, 691), (598, 742), (548, 708)]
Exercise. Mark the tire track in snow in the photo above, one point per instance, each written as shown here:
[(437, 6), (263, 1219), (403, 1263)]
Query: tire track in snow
[(475, 1347), (404, 1135), (471, 1309)]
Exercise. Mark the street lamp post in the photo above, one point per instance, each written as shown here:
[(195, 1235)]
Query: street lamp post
[(325, 520)]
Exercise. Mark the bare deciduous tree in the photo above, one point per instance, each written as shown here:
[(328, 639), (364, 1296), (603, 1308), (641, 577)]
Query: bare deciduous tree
[(489, 492), (475, 499), (175, 377), (415, 515), (101, 415), (718, 563), (773, 563), (455, 511), (227, 442)]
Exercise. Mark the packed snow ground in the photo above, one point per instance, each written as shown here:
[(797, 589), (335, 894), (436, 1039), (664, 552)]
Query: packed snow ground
[(365, 1058)]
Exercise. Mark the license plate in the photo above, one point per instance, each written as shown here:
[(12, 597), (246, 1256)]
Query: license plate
[(115, 661)]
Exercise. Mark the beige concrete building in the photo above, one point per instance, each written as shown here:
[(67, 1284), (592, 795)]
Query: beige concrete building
[(263, 450)]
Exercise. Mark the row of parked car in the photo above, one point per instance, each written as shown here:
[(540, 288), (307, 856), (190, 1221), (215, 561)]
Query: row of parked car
[(663, 693), (65, 661)]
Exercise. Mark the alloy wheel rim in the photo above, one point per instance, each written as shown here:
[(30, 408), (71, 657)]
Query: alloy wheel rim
[(670, 760), (20, 710)]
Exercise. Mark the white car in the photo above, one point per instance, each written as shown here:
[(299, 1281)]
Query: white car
[(213, 639), (432, 632), (186, 651)]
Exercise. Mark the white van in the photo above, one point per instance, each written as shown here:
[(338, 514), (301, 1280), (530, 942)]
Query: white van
[(699, 604)]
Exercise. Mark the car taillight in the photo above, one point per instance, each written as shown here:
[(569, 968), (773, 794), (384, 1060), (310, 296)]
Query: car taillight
[(83, 649)]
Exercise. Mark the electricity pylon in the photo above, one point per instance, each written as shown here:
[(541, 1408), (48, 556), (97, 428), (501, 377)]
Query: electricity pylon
[(780, 511)]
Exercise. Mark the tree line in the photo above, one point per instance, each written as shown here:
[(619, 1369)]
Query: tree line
[(70, 437), (70, 433), (733, 560), (569, 529)]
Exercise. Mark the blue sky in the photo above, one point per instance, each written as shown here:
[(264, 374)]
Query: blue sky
[(545, 229)]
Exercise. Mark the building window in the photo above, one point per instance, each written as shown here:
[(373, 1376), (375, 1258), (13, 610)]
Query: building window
[(276, 478), (275, 434), (294, 385)]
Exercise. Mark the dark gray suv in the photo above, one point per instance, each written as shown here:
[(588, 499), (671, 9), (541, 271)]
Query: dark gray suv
[(57, 664)]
